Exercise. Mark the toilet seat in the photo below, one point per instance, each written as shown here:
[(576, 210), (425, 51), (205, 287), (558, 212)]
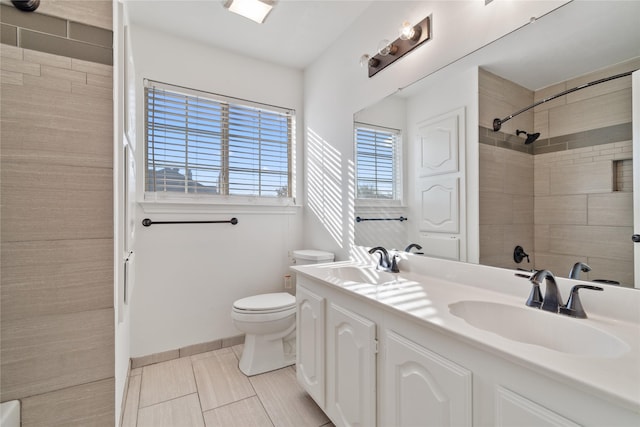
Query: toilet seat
[(265, 304)]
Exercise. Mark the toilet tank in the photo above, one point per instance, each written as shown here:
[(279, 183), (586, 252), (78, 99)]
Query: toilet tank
[(311, 256)]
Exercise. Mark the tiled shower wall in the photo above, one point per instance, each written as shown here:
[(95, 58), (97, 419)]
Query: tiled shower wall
[(582, 178), (581, 215), (57, 321), (506, 205), (584, 203), (506, 174)]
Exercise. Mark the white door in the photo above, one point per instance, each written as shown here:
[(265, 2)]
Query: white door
[(441, 190), (515, 410), (635, 89), (310, 343), (422, 388), (351, 368)]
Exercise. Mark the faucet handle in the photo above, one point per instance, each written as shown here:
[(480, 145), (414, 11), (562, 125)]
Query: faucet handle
[(535, 297), (519, 254), (394, 263), (574, 307)]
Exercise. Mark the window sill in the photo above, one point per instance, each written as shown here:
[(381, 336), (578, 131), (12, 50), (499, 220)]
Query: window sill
[(154, 203), (378, 204)]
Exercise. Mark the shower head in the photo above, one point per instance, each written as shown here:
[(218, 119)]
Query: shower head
[(531, 137)]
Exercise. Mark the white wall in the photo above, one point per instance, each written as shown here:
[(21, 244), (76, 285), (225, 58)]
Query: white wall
[(187, 276), (335, 87)]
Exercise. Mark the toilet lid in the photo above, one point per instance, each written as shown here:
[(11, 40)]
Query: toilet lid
[(275, 301)]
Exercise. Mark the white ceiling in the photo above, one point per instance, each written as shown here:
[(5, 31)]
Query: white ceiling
[(294, 33), (573, 40), (576, 38)]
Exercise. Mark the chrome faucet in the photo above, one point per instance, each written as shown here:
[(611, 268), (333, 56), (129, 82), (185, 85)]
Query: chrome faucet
[(552, 298), (413, 245), (577, 268), (386, 263)]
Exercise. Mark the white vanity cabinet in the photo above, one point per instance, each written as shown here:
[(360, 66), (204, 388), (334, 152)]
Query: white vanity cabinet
[(368, 364), (336, 358), (353, 377)]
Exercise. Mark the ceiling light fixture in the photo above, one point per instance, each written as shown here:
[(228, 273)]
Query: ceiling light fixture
[(256, 10)]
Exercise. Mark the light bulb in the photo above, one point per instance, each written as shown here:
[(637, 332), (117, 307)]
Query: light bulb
[(407, 31), (367, 61), (385, 47)]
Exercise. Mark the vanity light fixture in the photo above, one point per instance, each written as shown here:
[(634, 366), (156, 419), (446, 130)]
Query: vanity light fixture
[(411, 36), (256, 10)]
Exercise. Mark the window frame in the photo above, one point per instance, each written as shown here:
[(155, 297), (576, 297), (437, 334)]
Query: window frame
[(398, 183), (169, 199)]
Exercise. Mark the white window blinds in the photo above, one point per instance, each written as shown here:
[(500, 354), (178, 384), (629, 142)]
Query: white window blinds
[(201, 143), (377, 170)]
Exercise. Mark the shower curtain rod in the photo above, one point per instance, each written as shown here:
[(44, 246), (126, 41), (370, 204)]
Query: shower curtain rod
[(497, 123)]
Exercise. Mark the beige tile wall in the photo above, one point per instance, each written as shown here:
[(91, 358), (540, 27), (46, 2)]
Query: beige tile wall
[(582, 181), (579, 216), (500, 97), (72, 29), (595, 107), (506, 206), (56, 289), (506, 174)]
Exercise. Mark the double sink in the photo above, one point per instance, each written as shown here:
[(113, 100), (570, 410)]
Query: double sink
[(517, 323)]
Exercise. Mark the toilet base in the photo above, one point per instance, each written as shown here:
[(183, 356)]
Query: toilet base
[(264, 353)]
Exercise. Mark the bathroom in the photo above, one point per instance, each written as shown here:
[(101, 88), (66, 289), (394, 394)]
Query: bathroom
[(182, 279)]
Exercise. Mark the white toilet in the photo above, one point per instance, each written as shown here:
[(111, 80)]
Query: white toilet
[(269, 323)]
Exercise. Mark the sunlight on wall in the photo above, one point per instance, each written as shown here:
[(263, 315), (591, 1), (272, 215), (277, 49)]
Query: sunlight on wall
[(324, 177), (391, 234), (356, 253)]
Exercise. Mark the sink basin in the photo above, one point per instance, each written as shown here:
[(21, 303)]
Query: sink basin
[(363, 275), (533, 326)]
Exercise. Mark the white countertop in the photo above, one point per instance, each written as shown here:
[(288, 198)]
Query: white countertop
[(425, 297)]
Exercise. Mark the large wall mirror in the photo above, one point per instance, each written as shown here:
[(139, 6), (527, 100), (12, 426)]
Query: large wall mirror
[(566, 197)]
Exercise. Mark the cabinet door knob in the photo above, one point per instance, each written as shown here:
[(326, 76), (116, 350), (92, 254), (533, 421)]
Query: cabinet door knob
[(636, 238)]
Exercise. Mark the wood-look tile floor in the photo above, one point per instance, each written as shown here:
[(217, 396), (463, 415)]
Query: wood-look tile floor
[(208, 390)]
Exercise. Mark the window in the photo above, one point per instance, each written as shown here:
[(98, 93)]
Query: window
[(377, 163), (202, 144)]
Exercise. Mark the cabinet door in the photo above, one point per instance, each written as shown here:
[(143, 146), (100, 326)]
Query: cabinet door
[(422, 388), (351, 362), (310, 343), (513, 409)]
